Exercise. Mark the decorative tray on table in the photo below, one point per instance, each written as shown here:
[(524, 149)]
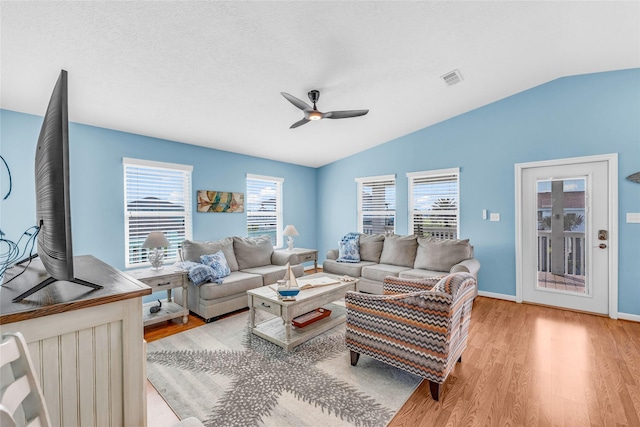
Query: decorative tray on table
[(310, 317)]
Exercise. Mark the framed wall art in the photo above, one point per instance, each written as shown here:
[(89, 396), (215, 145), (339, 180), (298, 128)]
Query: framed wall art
[(220, 201)]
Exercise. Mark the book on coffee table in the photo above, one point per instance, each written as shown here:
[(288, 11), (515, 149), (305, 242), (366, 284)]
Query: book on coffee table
[(316, 282)]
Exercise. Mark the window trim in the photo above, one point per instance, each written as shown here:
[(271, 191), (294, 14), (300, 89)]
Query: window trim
[(188, 212), (412, 176), (370, 179), (279, 204)]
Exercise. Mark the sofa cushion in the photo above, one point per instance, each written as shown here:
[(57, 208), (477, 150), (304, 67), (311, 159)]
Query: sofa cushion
[(371, 247), (441, 255), (252, 251), (218, 264), (334, 267), (349, 248), (272, 273), (237, 282), (192, 251), (418, 273), (399, 250), (378, 272)]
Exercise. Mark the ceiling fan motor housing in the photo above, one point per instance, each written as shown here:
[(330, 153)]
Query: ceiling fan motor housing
[(314, 95)]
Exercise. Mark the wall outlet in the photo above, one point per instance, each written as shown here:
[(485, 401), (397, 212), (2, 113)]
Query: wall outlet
[(495, 217), (484, 214)]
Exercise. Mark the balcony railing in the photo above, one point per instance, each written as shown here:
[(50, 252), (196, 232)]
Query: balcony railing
[(574, 252)]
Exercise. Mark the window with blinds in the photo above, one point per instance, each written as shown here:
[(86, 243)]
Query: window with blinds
[(157, 197), (434, 203), (377, 204), (264, 207)]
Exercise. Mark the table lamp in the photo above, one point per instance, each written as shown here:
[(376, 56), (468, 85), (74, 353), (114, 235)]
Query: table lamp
[(155, 243), (289, 231)]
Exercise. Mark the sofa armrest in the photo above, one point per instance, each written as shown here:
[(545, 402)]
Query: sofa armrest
[(282, 258), (471, 265), (332, 254), (395, 285)]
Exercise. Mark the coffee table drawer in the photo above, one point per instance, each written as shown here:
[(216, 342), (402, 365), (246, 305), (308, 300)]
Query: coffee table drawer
[(266, 305)]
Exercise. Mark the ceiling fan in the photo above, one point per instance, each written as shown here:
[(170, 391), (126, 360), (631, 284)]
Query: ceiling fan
[(314, 114)]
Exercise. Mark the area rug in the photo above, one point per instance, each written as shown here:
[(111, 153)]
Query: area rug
[(225, 376)]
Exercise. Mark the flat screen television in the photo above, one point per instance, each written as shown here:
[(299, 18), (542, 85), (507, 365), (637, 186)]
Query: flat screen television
[(53, 209)]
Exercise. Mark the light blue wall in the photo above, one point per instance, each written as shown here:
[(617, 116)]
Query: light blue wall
[(97, 184), (569, 117)]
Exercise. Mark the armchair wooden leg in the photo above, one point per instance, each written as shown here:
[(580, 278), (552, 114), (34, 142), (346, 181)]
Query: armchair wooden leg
[(435, 390), (354, 357)]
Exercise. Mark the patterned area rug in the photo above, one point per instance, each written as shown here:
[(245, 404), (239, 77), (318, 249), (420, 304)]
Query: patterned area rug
[(225, 376)]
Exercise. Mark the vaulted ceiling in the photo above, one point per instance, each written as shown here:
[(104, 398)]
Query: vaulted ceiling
[(210, 73)]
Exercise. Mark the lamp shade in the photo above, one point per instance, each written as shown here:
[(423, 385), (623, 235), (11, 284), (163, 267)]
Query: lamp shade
[(290, 230), (156, 239)]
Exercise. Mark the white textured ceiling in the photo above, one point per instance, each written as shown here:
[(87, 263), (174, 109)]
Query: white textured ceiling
[(211, 73)]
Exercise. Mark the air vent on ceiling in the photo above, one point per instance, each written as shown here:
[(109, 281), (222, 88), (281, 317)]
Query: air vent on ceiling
[(452, 77)]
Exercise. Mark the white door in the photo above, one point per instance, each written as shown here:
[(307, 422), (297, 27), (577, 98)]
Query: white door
[(565, 235)]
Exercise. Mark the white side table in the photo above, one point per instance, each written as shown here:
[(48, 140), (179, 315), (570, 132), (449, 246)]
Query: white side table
[(165, 279), (304, 255)]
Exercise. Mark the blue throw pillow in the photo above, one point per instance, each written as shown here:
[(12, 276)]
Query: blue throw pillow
[(218, 263), (349, 248)]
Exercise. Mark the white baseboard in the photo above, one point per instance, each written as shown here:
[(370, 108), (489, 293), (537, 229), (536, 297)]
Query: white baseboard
[(497, 296), (627, 316)]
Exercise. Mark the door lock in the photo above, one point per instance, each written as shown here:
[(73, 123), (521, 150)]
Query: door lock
[(602, 234), (602, 246)]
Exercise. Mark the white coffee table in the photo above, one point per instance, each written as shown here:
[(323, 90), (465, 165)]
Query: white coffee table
[(279, 330)]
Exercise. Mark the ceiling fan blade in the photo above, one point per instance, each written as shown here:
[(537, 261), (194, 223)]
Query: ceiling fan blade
[(298, 123), (297, 102), (344, 114)]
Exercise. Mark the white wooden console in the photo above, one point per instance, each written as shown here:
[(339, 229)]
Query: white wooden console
[(86, 345)]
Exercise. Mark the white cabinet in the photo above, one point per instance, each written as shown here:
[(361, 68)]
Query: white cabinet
[(87, 346)]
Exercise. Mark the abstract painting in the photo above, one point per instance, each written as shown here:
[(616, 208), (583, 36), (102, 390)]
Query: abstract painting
[(220, 201)]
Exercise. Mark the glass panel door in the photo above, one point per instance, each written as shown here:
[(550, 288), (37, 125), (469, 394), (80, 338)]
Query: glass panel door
[(561, 235)]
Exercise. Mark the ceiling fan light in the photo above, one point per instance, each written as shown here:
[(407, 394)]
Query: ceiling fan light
[(315, 115)]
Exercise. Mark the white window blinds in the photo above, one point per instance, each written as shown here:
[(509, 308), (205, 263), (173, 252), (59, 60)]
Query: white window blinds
[(157, 198), (434, 203), (264, 207), (377, 204)]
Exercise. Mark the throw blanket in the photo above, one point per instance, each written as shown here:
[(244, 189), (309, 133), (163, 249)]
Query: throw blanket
[(349, 248), (199, 273)]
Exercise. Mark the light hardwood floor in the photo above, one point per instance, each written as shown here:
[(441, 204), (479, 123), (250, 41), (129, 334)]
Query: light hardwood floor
[(528, 365)]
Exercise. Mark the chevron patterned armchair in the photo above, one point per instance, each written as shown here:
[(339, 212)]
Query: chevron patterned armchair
[(418, 325)]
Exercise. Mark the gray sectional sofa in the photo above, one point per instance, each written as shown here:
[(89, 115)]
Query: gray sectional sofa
[(405, 257), (253, 263)]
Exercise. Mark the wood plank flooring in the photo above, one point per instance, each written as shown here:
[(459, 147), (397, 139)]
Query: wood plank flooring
[(529, 365), (525, 365)]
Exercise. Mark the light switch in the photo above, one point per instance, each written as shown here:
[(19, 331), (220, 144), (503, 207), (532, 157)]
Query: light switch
[(484, 214), (633, 217), (494, 217)]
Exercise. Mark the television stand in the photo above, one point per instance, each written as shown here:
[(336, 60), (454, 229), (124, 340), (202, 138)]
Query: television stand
[(49, 281)]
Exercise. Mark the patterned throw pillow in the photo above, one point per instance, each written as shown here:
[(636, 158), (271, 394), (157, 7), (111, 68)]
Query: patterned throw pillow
[(218, 263), (349, 248)]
